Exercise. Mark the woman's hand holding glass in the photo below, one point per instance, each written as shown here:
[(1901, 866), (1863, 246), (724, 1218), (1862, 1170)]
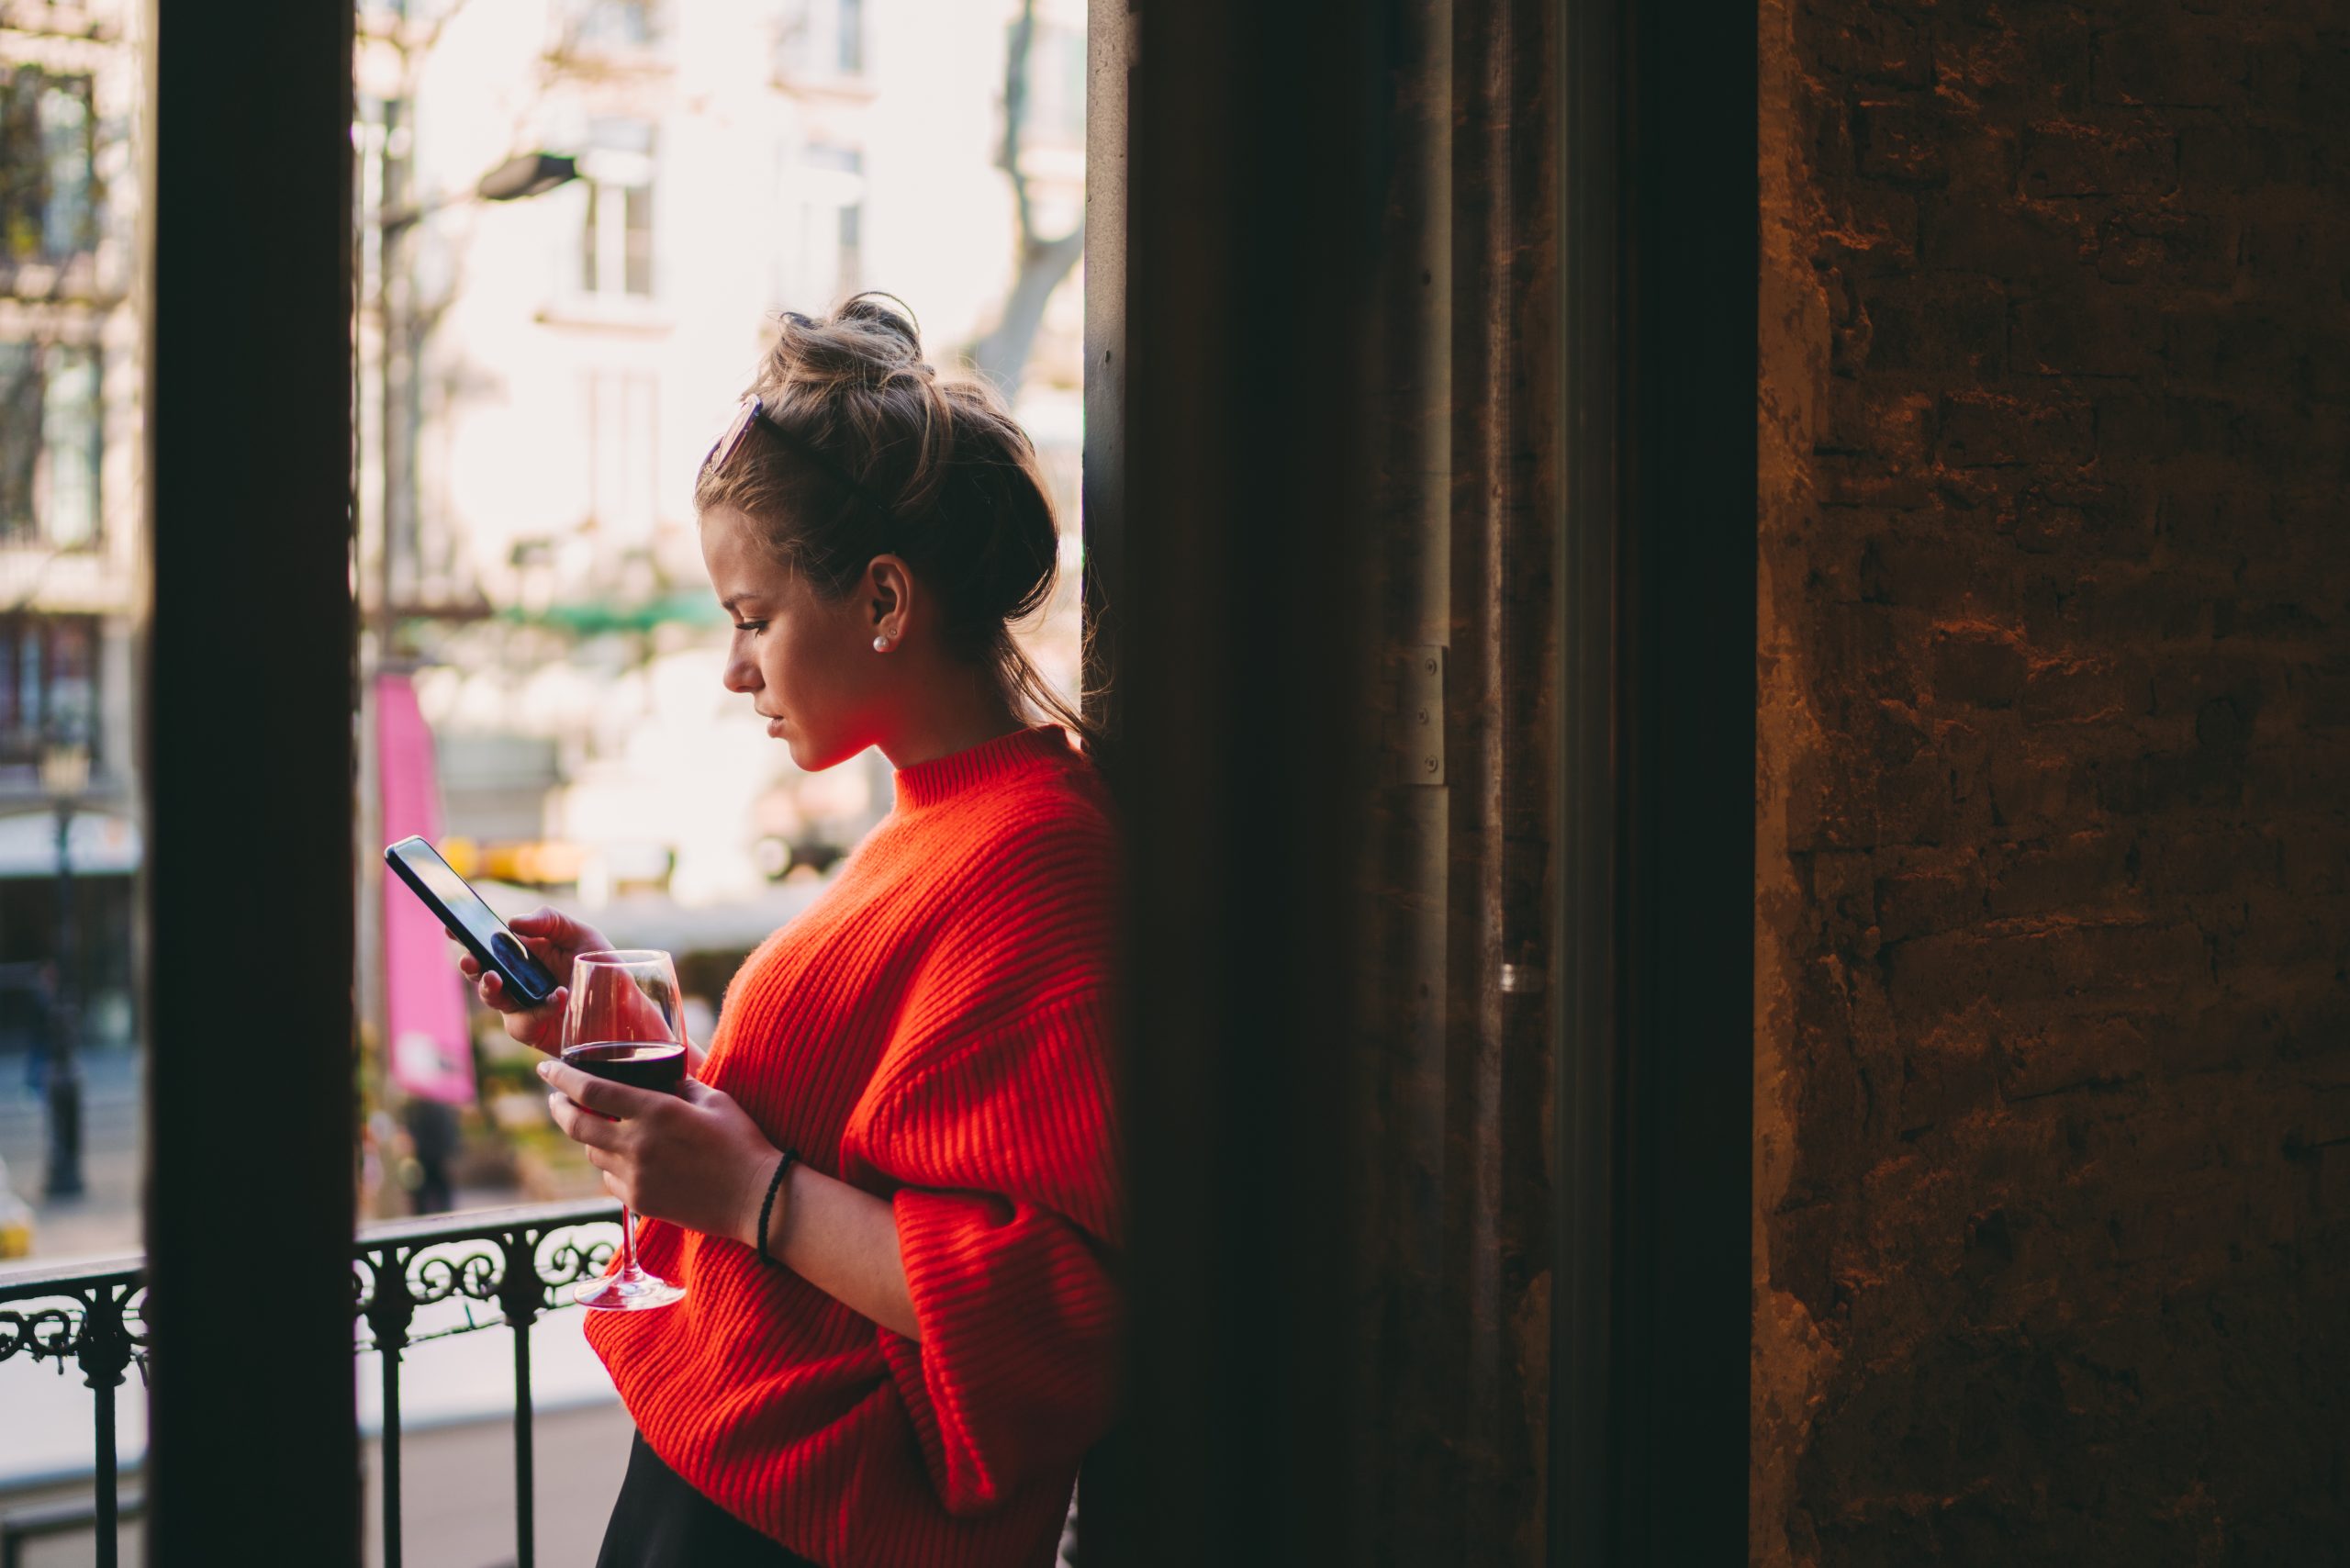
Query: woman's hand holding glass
[(695, 1159)]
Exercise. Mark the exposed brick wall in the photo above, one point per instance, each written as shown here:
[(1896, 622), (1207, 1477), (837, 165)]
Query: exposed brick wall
[(2052, 1218)]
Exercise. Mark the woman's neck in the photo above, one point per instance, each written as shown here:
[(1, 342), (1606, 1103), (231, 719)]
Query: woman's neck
[(960, 715)]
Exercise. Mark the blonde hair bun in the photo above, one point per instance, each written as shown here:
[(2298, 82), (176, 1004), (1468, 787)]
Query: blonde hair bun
[(863, 449)]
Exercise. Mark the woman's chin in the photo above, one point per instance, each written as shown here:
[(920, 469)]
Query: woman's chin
[(813, 754)]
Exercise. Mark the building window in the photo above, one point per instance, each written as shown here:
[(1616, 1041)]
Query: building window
[(50, 444), (48, 685), (623, 437), (614, 24), (848, 37), (48, 151), (816, 39), (616, 236), (821, 260)]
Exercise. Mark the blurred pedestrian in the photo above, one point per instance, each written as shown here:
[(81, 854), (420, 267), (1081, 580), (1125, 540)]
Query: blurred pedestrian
[(432, 1142)]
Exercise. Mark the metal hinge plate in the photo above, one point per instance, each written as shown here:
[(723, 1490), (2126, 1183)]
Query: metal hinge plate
[(1419, 715)]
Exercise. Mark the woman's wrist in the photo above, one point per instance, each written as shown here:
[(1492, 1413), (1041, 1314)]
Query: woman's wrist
[(754, 1201), (772, 1201)]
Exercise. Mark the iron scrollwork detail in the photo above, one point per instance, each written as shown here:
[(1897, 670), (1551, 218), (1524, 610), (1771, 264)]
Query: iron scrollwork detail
[(95, 1320), (400, 1269)]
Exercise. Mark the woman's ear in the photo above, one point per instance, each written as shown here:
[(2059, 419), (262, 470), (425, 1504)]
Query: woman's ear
[(889, 594)]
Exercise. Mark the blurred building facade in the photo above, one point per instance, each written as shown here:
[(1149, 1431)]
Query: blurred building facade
[(575, 354), (71, 501)]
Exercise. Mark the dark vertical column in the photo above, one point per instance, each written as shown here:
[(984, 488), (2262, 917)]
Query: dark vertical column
[(248, 734), (1251, 224), (1582, 1310), (1660, 294), (1690, 275)]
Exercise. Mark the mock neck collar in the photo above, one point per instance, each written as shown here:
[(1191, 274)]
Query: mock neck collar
[(944, 778)]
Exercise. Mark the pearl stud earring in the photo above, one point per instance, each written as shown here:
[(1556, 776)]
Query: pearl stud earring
[(881, 644)]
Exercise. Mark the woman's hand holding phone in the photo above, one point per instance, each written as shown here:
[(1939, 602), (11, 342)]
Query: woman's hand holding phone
[(554, 939)]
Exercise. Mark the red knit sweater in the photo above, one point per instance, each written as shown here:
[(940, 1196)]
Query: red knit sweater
[(933, 1029)]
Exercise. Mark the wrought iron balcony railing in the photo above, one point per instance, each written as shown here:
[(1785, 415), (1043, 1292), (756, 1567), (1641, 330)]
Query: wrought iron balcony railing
[(513, 1264)]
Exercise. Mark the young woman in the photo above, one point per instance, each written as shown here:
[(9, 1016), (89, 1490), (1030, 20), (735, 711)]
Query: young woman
[(902, 1369)]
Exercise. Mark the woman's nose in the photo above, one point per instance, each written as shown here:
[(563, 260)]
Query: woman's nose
[(740, 674)]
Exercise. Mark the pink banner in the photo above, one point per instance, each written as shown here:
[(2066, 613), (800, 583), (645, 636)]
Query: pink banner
[(431, 1055)]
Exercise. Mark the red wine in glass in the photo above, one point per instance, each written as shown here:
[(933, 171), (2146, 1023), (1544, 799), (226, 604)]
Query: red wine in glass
[(640, 1064), (626, 1025)]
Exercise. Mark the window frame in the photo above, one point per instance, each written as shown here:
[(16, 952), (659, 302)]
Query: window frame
[(616, 249)]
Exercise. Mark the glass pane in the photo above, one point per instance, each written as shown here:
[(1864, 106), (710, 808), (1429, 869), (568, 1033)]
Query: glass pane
[(72, 668), (852, 249), (852, 37), (628, 24), (24, 165), (590, 241), (20, 427), (32, 667), (66, 150), (640, 240), (70, 436)]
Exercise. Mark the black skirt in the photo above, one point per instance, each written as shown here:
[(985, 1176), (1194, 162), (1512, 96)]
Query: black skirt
[(660, 1521)]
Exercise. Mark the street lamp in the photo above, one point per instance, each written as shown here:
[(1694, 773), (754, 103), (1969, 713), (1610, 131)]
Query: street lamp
[(520, 177), (527, 174), (64, 773)]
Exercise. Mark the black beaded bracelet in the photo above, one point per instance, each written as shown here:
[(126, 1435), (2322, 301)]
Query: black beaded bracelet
[(766, 1205)]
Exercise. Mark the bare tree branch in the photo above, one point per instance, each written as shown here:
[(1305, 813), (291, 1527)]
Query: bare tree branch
[(1016, 118), (1002, 355)]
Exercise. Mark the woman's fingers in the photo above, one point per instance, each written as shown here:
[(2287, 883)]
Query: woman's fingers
[(540, 1027), (544, 926), (545, 1033), (492, 988), (585, 1126), (601, 1095)]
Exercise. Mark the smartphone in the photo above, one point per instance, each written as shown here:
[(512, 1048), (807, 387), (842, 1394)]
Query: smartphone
[(473, 922)]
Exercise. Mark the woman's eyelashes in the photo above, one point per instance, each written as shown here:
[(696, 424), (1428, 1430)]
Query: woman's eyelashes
[(753, 627)]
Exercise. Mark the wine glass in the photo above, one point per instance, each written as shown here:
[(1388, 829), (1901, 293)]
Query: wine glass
[(626, 1023)]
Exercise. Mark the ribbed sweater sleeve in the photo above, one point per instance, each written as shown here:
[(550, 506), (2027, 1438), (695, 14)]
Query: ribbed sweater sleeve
[(996, 1120)]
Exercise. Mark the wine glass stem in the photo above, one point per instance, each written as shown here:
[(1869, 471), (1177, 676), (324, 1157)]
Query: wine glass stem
[(628, 1241)]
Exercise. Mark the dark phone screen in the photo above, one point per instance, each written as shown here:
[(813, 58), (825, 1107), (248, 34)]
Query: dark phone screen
[(464, 906)]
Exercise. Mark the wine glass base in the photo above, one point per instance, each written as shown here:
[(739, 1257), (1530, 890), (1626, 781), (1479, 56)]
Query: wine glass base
[(618, 1292)]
